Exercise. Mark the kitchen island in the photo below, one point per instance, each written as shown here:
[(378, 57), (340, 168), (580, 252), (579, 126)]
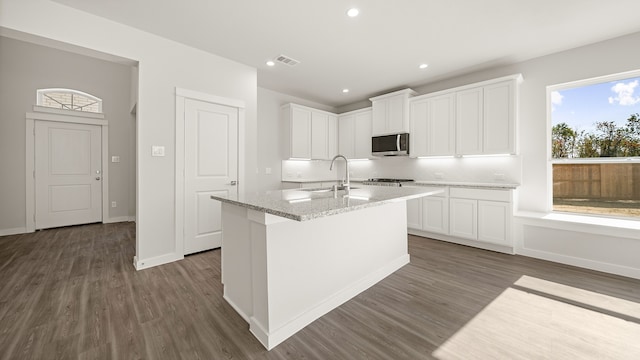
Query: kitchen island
[(291, 256)]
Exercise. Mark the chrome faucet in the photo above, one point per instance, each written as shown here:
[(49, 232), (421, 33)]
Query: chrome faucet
[(345, 183)]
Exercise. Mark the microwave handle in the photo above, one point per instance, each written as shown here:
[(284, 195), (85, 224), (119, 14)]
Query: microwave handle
[(398, 142)]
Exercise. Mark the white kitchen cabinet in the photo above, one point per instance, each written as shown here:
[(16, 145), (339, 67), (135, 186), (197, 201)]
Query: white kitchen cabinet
[(481, 214), (498, 136), (464, 218), (494, 224), (430, 213), (435, 214), (354, 129), (414, 214), (486, 119), (308, 133), (333, 135), (391, 112), (469, 121), (432, 120)]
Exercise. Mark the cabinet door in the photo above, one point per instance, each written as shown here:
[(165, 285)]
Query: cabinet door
[(363, 135), (494, 224), (333, 136), (346, 135), (435, 214), (441, 125), (463, 218), (300, 133), (396, 119), (418, 112), (319, 135), (499, 119), (414, 214), (469, 121), (380, 110)]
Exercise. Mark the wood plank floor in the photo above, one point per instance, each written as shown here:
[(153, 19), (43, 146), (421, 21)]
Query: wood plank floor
[(73, 293)]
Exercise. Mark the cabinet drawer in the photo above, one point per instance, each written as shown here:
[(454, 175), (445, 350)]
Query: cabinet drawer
[(481, 194)]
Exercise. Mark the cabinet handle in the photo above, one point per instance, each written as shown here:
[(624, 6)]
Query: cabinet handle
[(398, 143)]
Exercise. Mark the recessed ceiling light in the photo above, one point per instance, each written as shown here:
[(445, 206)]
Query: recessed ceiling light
[(345, 90), (423, 66), (353, 12), (270, 63)]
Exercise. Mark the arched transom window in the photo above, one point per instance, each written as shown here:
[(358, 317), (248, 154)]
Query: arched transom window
[(68, 99)]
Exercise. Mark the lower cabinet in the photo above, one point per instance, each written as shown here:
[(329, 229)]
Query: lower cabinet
[(429, 213), (471, 216)]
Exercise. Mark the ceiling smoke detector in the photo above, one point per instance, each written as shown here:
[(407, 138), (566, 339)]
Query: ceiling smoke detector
[(284, 59)]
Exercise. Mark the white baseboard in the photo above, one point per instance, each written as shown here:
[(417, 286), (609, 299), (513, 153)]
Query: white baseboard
[(13, 231), (118, 219), (155, 261), (452, 239), (581, 262), (271, 339)]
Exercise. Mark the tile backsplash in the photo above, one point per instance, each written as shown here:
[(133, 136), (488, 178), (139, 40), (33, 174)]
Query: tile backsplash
[(455, 169)]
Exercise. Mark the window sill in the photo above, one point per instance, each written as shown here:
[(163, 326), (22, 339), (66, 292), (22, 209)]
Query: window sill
[(581, 223)]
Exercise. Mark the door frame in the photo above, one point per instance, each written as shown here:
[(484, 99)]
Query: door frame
[(181, 96), (41, 113)]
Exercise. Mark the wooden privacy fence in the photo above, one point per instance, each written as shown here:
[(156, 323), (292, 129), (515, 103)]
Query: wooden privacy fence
[(596, 181)]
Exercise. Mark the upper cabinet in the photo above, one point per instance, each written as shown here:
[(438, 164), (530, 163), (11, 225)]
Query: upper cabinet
[(308, 133), (486, 119), (391, 112), (354, 130), (433, 125), (477, 119)]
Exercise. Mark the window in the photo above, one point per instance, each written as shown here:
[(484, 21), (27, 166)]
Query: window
[(595, 145), (68, 99)]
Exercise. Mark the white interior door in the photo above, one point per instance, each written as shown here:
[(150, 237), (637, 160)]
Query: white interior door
[(68, 174), (211, 167)]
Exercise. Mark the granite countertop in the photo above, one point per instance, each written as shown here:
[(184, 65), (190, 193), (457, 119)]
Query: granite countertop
[(487, 185), (303, 205)]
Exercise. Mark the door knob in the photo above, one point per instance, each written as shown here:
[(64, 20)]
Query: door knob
[(97, 177)]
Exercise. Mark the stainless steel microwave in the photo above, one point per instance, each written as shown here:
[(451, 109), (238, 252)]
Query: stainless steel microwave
[(390, 145)]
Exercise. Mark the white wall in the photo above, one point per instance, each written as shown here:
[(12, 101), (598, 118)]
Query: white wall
[(163, 66), (26, 67), (269, 127)]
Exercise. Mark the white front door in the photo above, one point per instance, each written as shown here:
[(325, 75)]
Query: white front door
[(68, 174), (211, 167)]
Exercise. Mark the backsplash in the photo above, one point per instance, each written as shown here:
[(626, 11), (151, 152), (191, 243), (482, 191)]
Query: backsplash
[(506, 169)]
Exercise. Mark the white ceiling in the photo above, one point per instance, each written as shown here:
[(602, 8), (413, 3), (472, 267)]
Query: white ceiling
[(381, 49)]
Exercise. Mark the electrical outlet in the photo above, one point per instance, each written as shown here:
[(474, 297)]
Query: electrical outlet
[(267, 171), (114, 204), (498, 176), (115, 159)]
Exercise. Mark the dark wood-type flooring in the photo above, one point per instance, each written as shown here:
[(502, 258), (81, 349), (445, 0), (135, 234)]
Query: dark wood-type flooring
[(72, 293)]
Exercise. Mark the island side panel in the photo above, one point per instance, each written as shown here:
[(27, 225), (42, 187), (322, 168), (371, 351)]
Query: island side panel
[(236, 259), (314, 266)]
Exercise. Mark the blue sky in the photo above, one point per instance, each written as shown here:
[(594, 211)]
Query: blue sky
[(582, 107)]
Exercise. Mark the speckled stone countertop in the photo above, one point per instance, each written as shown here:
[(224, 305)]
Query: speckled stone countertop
[(493, 185), (303, 205)]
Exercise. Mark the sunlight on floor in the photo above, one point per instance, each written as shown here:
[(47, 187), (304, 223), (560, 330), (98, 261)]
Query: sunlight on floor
[(539, 319)]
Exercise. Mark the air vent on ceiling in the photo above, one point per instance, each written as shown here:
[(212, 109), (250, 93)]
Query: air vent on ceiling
[(287, 60)]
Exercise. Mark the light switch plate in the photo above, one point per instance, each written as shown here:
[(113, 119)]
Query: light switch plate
[(157, 150), (115, 159), (267, 171)]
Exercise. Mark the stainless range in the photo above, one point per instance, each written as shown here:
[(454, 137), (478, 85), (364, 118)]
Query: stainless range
[(386, 181)]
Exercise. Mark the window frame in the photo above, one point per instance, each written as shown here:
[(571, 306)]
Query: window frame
[(41, 92), (551, 161)]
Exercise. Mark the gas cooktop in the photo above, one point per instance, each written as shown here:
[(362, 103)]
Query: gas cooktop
[(386, 181)]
